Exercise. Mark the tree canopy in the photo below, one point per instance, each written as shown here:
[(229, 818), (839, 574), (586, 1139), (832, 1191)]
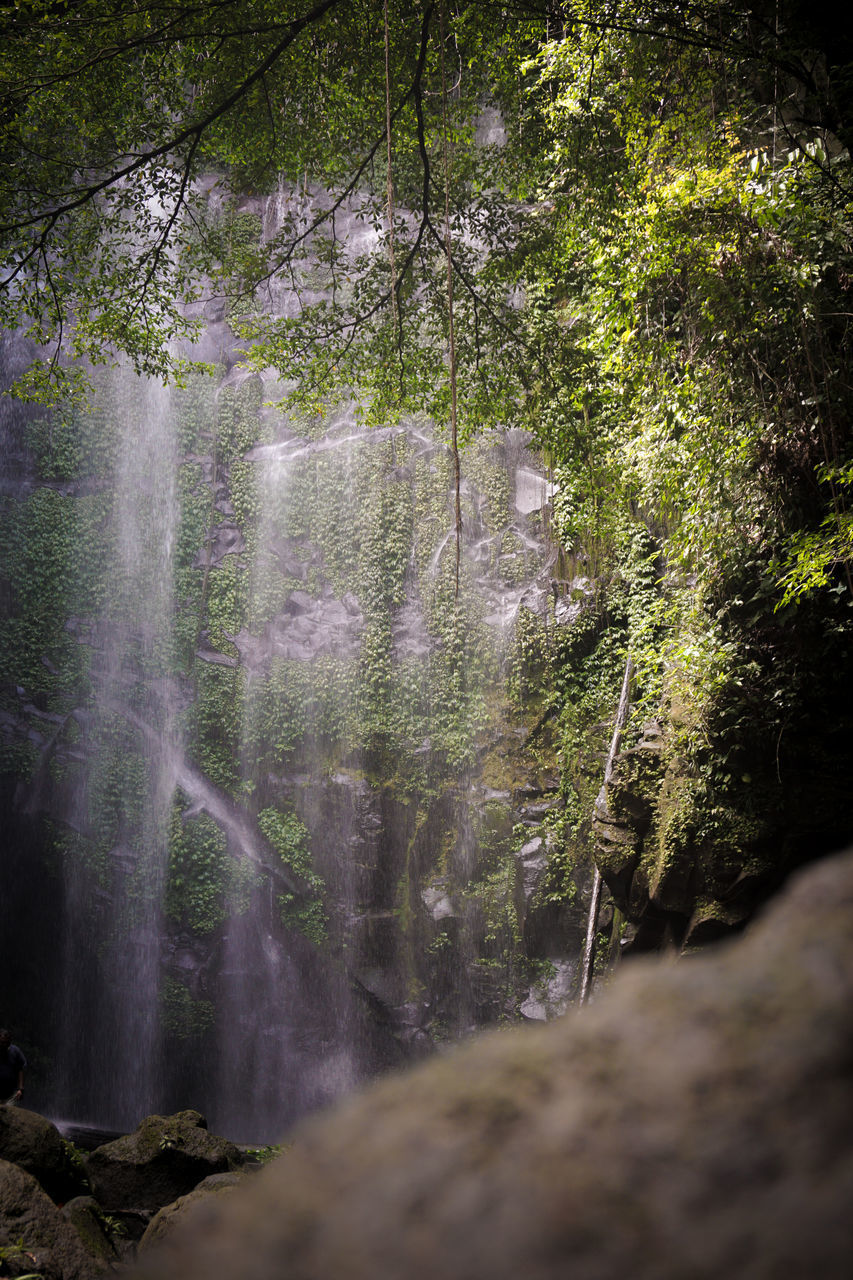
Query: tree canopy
[(647, 260), (111, 114)]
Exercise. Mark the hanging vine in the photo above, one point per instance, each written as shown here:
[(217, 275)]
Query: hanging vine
[(454, 419), (389, 196)]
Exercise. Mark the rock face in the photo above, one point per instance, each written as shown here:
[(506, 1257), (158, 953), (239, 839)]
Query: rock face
[(35, 1235), (164, 1158), (316, 562), (693, 1122)]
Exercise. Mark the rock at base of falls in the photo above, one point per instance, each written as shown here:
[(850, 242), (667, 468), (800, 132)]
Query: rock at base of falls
[(691, 1122), (35, 1145), (166, 1157)]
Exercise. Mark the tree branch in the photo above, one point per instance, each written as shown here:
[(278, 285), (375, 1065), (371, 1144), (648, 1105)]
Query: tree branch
[(194, 131)]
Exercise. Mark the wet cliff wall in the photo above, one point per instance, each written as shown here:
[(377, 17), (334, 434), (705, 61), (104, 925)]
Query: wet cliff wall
[(271, 823)]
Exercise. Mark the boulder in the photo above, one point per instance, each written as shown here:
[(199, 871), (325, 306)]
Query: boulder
[(28, 1140), (86, 1217), (163, 1159), (35, 1236), (692, 1121), (192, 1205)]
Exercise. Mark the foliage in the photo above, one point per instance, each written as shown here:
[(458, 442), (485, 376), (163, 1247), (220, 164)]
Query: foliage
[(150, 100), (265, 1155), (16, 1254), (74, 1157), (199, 871), (688, 284), (182, 1015), (113, 1225), (290, 839)]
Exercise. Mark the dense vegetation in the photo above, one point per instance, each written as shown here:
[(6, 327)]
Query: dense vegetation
[(626, 227)]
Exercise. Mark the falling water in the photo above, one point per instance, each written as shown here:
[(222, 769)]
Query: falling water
[(270, 761), (283, 1021), (111, 1016)]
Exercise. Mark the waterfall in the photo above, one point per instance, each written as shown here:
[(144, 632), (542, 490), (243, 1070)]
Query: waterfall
[(283, 1058), (263, 762), (122, 800)]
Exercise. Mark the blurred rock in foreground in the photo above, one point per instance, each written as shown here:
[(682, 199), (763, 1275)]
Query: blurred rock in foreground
[(696, 1122)]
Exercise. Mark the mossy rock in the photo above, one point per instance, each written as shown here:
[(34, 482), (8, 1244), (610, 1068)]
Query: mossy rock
[(85, 1216), (35, 1235), (35, 1145), (163, 1159)]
